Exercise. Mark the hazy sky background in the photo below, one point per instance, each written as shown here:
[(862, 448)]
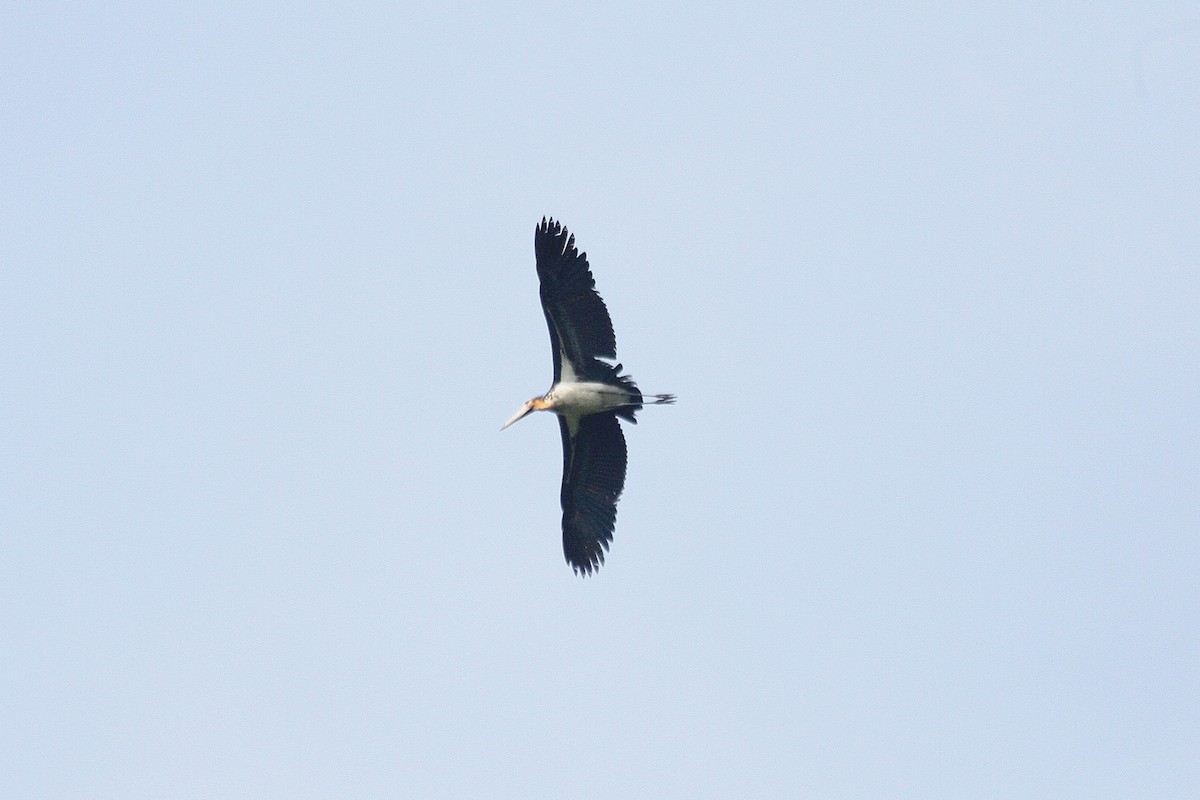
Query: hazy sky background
[(924, 523)]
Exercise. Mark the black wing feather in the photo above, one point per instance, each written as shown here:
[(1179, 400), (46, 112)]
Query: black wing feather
[(575, 314), (593, 478)]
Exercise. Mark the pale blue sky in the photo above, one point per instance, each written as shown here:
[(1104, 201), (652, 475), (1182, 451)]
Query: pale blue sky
[(924, 523)]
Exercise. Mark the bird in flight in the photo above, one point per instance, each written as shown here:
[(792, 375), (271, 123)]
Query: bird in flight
[(588, 394)]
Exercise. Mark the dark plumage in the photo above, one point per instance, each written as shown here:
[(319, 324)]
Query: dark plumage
[(588, 394)]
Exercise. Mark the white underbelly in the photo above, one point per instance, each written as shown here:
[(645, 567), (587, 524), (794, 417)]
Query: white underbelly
[(583, 398)]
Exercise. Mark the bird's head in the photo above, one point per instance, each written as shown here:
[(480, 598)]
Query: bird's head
[(532, 404)]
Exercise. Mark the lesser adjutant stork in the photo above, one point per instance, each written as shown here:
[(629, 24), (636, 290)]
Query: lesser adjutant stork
[(588, 395)]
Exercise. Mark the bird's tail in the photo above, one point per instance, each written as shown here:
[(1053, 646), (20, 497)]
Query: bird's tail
[(637, 400)]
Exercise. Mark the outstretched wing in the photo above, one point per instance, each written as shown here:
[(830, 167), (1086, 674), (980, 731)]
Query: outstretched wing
[(580, 329), (594, 461)]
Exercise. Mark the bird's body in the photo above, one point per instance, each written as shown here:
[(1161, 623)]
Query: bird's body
[(574, 400), (588, 395)]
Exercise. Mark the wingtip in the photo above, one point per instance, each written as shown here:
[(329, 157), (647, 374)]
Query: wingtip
[(551, 226), (586, 561), (586, 569)]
